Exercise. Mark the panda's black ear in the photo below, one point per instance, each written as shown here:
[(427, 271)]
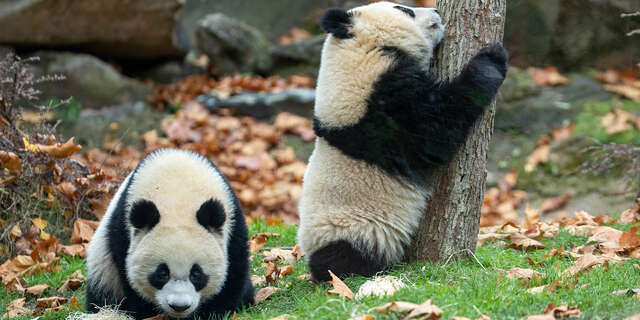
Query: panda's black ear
[(144, 214), (211, 215), (337, 22)]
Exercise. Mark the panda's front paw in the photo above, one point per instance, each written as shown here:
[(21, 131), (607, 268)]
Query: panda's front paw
[(493, 56)]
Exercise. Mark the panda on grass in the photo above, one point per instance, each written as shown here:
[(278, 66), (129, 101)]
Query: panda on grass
[(173, 241), (383, 123)]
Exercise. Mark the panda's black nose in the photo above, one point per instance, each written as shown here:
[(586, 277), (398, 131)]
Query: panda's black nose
[(179, 308)]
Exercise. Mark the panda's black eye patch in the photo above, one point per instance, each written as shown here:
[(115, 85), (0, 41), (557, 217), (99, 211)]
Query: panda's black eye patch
[(160, 276), (197, 277), (211, 214), (144, 214), (406, 10)]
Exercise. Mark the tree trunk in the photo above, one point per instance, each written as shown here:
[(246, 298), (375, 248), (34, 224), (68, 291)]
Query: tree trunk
[(450, 224)]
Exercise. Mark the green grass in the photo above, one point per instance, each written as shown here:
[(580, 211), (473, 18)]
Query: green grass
[(460, 288)]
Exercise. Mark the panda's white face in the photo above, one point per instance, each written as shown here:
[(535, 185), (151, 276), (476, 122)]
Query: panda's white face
[(179, 217), (171, 269), (355, 54), (417, 31)]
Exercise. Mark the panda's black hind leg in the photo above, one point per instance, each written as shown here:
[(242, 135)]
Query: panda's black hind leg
[(343, 259)]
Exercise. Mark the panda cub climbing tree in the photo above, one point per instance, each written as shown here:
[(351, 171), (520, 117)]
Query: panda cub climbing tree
[(383, 124), (173, 241)]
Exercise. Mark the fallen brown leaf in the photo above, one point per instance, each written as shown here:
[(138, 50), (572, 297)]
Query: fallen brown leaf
[(264, 294), (10, 161), (520, 273), (59, 150), (396, 306), (562, 133), (547, 76), (617, 121), (257, 280), (539, 155), (562, 311), (629, 216), (630, 92), (522, 242), (37, 289), (16, 308), (553, 204), (426, 310), (630, 239), (339, 287)]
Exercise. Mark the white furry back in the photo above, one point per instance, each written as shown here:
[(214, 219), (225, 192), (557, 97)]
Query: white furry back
[(347, 199)]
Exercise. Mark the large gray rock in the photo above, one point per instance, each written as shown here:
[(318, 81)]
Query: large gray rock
[(274, 17), (140, 28), (571, 34), (263, 105), (232, 46), (299, 57), (89, 81)]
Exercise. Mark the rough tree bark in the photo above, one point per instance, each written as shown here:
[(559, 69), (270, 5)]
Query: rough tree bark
[(450, 224)]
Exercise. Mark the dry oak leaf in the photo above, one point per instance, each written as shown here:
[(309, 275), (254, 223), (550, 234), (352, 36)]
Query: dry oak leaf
[(50, 302), (630, 239), (257, 280), (426, 310), (16, 308), (280, 254), (83, 230), (555, 203), (539, 155), (10, 161), (37, 289), (561, 311), (264, 294), (628, 91), (547, 76), (607, 235), (297, 252), (585, 263), (59, 150), (520, 241), (562, 133), (396, 306), (73, 250), (531, 217), (339, 287), (520, 273), (15, 284), (486, 237), (629, 216), (617, 121), (257, 241)]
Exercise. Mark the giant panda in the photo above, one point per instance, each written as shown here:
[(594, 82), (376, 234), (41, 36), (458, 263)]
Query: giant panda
[(383, 124), (173, 241)]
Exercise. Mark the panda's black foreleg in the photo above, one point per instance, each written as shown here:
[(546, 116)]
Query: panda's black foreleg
[(479, 81), (343, 259)]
